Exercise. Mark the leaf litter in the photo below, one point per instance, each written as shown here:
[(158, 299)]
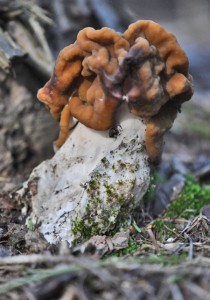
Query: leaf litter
[(159, 257)]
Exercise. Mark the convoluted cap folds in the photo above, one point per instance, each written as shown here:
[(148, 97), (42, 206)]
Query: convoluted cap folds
[(145, 66)]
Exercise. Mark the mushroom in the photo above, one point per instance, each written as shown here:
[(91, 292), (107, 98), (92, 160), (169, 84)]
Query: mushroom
[(163, 78), (74, 89), (145, 67)]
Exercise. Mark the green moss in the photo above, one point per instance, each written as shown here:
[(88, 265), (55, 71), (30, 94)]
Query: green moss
[(88, 226), (190, 201), (110, 191), (79, 226), (132, 247), (188, 204), (98, 219), (165, 228), (92, 184), (105, 162), (30, 224), (122, 165), (140, 149), (82, 231)]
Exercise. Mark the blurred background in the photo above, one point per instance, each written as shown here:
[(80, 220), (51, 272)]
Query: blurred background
[(31, 35)]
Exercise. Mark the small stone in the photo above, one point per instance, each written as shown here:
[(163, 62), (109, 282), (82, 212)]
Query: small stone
[(120, 240)]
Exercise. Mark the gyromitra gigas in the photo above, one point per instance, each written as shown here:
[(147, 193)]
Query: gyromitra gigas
[(145, 67)]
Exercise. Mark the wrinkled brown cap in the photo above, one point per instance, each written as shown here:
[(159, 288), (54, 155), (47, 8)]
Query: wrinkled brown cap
[(145, 66)]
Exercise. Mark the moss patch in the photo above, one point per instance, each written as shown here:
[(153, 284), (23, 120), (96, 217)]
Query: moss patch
[(190, 201), (133, 246), (112, 192), (187, 205), (100, 218)]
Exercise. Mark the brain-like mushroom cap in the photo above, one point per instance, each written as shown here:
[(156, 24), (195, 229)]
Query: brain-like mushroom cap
[(77, 66), (169, 50), (157, 69), (144, 66)]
